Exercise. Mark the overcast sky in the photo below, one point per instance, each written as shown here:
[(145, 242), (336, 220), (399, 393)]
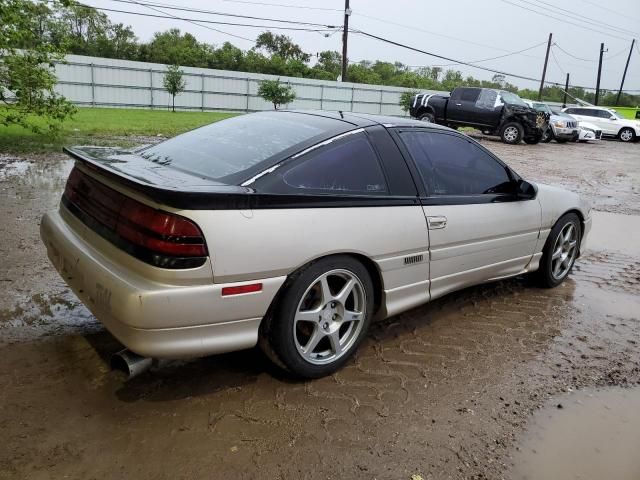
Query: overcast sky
[(467, 30)]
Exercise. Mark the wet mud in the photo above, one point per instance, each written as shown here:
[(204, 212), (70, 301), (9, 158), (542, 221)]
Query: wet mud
[(453, 389)]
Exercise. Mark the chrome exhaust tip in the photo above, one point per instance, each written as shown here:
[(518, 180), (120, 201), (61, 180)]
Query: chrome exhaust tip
[(130, 363)]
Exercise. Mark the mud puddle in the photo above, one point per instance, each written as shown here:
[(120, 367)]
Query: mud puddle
[(587, 435)]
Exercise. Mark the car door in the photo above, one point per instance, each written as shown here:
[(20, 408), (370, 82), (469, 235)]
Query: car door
[(461, 107), (356, 194), (478, 229), (607, 122)]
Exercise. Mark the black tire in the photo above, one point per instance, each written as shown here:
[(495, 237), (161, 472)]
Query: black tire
[(627, 134), (545, 273), (547, 136), (427, 117), (280, 339), (511, 133), (533, 140)]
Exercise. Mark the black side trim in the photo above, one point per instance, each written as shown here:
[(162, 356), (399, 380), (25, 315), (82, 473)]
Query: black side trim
[(141, 253), (468, 199)]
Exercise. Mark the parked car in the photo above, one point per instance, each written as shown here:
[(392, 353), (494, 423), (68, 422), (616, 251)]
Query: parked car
[(296, 230), (495, 112), (588, 132), (562, 128), (607, 120)]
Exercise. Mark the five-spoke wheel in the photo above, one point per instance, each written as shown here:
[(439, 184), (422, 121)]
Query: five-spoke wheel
[(560, 251)]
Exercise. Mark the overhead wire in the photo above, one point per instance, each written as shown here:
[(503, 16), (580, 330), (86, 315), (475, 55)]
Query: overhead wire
[(200, 25), (547, 15), (285, 5)]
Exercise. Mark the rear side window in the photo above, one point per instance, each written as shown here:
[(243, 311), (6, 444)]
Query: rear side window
[(453, 165), (231, 146), (348, 165), (470, 94)]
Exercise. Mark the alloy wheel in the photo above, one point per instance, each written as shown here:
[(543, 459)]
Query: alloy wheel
[(329, 317), (510, 134), (564, 251)]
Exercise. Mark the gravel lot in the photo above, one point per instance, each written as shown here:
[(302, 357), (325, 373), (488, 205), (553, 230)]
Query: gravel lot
[(447, 390)]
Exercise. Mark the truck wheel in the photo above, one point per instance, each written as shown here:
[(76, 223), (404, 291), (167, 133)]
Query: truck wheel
[(511, 133), (427, 117)]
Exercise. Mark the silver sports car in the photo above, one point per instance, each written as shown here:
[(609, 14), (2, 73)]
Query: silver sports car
[(295, 230)]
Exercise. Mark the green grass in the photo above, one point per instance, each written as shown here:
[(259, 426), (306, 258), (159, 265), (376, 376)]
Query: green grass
[(98, 126)]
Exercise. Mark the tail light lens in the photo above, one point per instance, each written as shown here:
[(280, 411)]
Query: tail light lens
[(160, 238)]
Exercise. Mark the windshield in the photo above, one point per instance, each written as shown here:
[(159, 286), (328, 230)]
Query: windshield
[(542, 107), (236, 144), (512, 99)]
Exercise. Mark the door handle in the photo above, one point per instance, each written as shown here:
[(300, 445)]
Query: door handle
[(459, 104), (438, 222)]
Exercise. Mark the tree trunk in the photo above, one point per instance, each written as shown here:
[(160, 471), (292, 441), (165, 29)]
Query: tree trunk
[(173, 105)]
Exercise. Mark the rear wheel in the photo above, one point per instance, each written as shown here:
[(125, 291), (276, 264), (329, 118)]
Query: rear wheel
[(560, 251), (627, 135), (322, 317), (511, 133), (427, 117)]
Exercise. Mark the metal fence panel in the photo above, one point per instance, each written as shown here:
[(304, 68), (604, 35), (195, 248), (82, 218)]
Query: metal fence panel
[(121, 83)]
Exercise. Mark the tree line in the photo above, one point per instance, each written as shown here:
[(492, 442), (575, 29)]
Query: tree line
[(55, 27)]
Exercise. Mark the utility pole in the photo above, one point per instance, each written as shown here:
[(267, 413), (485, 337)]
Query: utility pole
[(566, 89), (544, 69), (345, 32), (625, 71), (599, 73)]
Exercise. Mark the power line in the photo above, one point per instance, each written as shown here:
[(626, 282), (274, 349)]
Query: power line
[(461, 62), (547, 15), (285, 5), (495, 58), (417, 29), (555, 59), (585, 19), (248, 25), (612, 11), (211, 12), (203, 26), (571, 55)]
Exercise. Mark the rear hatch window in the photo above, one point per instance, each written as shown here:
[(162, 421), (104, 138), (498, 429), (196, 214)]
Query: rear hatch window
[(229, 147)]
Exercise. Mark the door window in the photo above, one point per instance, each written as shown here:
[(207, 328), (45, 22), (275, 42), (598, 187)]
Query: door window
[(346, 166), (453, 165), (470, 94)]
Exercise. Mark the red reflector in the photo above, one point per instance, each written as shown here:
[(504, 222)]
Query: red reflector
[(240, 289)]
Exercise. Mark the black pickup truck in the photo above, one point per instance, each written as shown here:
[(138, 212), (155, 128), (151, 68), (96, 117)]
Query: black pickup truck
[(494, 112)]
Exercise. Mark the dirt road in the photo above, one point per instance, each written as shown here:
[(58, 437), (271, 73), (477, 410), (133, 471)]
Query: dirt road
[(443, 391)]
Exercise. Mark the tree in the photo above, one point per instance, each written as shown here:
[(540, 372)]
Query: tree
[(27, 80), (275, 92), (406, 98), (173, 48), (174, 83), (282, 46)]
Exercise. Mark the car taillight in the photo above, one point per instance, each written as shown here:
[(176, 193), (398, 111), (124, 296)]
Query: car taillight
[(160, 231), (157, 237)]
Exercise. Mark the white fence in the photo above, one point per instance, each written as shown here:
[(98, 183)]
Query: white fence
[(94, 81)]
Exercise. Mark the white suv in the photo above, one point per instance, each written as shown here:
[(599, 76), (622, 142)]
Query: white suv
[(608, 120)]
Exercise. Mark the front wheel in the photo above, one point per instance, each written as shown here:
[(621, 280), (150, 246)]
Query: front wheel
[(627, 135), (511, 133), (547, 136), (321, 318), (560, 251)]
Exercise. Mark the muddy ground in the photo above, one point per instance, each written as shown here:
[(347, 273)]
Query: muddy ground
[(447, 390)]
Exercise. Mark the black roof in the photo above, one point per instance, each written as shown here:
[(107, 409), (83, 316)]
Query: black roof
[(361, 120)]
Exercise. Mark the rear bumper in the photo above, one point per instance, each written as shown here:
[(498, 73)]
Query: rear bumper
[(151, 318)]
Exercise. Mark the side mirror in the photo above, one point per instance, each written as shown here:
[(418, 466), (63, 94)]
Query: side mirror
[(526, 190), (612, 117)]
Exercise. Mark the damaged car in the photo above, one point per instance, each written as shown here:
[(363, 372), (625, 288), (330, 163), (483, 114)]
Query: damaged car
[(494, 112)]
